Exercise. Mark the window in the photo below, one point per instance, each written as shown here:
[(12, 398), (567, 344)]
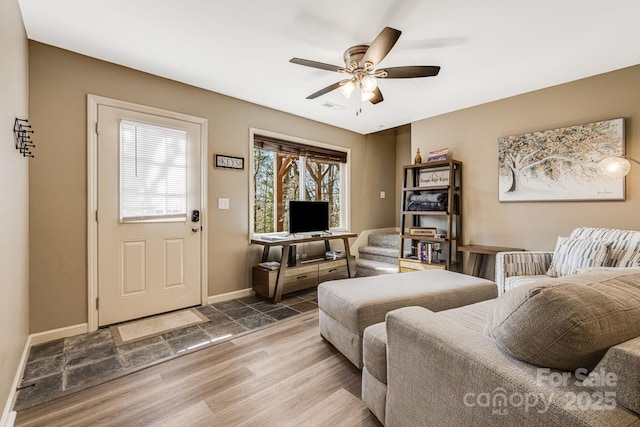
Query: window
[(153, 172), (286, 170)]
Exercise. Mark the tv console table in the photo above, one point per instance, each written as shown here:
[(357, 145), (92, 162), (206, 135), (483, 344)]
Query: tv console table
[(304, 274)]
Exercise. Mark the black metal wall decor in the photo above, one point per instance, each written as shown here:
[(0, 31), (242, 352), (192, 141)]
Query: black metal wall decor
[(22, 133)]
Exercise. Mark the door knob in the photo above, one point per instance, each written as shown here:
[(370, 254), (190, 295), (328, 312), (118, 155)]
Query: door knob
[(195, 228)]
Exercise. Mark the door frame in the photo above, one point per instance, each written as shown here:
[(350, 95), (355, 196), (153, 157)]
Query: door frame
[(92, 195)]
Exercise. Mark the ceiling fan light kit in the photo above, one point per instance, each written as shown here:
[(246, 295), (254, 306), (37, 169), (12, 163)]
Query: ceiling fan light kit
[(368, 83), (367, 96), (347, 88), (360, 62)]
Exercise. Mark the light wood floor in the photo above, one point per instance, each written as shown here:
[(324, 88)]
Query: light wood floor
[(285, 375)]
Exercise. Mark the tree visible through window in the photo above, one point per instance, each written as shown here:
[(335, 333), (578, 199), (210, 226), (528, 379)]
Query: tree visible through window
[(279, 175), (323, 183)]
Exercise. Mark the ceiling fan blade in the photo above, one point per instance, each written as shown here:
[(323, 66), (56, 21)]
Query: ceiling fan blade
[(410, 71), (315, 64), (381, 46), (377, 96), (327, 89)]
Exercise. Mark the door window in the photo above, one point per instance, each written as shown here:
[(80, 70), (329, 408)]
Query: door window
[(153, 173)]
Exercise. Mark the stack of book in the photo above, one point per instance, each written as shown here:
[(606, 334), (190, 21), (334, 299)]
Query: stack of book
[(428, 252)]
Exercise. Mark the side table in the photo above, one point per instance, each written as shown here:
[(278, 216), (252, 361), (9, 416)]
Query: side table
[(476, 256)]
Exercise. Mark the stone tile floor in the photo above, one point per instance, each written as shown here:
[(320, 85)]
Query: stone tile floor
[(72, 364)]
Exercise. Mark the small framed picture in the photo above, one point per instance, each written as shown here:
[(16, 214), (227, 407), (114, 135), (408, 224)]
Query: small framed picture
[(229, 162), (441, 154)]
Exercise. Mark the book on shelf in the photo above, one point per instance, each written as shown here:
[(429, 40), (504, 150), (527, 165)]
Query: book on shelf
[(428, 252), (270, 265)]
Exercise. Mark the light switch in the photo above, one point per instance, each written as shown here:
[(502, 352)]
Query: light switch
[(382, 195), (223, 203)]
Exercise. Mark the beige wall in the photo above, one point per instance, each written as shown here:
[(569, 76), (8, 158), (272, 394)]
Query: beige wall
[(60, 81), (403, 157), (14, 191), (472, 136), (379, 174)]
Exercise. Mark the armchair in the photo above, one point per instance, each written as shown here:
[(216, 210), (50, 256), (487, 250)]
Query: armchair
[(514, 269)]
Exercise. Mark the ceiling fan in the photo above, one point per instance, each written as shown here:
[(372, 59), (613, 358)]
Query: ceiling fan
[(361, 60)]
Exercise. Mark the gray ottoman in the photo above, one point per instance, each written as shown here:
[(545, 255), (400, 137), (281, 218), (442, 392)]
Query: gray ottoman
[(348, 306)]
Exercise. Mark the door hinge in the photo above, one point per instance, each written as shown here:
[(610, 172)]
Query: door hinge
[(97, 129), (97, 303), (97, 215)]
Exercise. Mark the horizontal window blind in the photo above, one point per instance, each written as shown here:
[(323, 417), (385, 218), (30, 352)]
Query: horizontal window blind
[(153, 172), (295, 148)]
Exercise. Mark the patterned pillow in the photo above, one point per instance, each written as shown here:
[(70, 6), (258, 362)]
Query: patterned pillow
[(572, 254), (624, 247), (629, 254)]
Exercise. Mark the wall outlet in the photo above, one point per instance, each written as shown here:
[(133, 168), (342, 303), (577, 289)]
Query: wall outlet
[(383, 195), (223, 203)]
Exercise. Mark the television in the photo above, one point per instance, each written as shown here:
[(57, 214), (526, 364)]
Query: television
[(308, 216)]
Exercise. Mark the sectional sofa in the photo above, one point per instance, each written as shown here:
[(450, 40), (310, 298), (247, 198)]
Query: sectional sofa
[(560, 352), (561, 348)]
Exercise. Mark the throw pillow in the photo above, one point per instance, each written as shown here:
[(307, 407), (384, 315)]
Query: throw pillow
[(567, 323), (634, 261), (625, 253), (571, 254), (624, 247)]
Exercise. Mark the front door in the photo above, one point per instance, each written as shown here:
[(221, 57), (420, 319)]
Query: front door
[(149, 234)]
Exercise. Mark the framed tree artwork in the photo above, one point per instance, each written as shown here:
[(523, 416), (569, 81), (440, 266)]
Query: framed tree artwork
[(560, 164)]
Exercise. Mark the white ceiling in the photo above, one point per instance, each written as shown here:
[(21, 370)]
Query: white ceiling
[(488, 49)]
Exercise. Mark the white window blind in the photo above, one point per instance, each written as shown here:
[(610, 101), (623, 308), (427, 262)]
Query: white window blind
[(153, 172)]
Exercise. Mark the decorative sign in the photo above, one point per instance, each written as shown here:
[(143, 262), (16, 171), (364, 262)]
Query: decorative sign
[(434, 178), (229, 162)]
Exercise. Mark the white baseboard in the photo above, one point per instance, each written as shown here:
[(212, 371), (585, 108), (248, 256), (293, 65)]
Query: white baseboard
[(55, 334), (230, 295), (8, 415), (8, 420)]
